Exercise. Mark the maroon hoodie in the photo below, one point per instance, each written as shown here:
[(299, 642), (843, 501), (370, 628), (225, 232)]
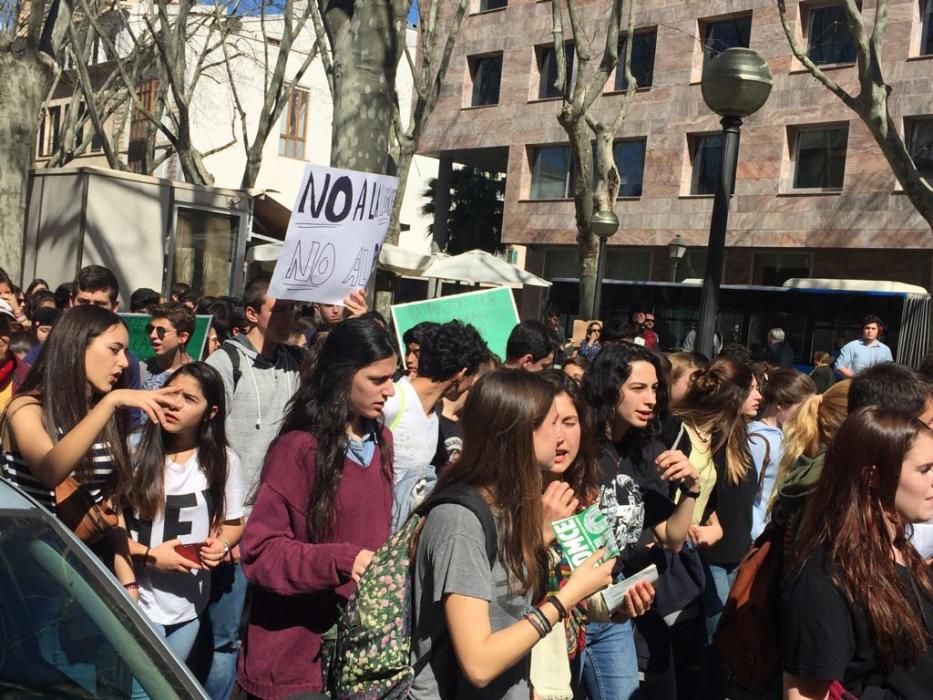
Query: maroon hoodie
[(298, 586)]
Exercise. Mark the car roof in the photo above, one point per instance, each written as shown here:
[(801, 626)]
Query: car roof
[(12, 498)]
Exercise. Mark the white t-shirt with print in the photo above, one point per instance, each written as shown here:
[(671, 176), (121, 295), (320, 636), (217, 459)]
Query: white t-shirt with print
[(414, 433), (168, 597)]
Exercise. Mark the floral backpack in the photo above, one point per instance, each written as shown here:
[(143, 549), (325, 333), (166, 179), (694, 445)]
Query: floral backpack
[(372, 658)]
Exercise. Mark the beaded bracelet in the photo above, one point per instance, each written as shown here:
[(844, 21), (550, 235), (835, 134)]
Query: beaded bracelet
[(132, 586)]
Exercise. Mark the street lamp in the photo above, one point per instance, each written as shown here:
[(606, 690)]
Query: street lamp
[(604, 224), (735, 84), (675, 251)]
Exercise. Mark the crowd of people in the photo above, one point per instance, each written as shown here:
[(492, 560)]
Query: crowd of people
[(240, 493)]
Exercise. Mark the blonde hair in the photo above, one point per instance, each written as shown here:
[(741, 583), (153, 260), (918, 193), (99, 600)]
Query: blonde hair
[(811, 428), (681, 363)]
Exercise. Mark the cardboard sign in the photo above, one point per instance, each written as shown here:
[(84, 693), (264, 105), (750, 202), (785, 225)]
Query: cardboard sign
[(334, 235), (491, 311), (139, 339)]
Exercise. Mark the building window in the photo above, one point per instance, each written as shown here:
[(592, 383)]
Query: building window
[(721, 34), (547, 71), (829, 39), (820, 158), (486, 73), (295, 126), (146, 94), (643, 47), (551, 172), (50, 131), (630, 161), (920, 145), (706, 157), (486, 5), (926, 27)]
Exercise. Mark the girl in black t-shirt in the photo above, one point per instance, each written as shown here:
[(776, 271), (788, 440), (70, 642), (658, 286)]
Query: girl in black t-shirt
[(857, 602)]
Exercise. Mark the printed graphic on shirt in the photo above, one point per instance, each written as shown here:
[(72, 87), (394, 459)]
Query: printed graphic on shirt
[(183, 517), (454, 446), (623, 505)]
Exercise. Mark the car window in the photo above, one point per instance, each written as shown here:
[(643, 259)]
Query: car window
[(64, 630)]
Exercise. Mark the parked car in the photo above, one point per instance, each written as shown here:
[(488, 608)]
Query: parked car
[(67, 627)]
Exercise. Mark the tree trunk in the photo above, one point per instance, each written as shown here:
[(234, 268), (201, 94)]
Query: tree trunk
[(402, 169), (26, 82), (365, 50)]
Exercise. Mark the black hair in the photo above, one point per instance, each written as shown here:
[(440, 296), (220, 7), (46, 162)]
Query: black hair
[(616, 330), (375, 316), (871, 318), (227, 314), (144, 299), (321, 406), (179, 315), (147, 492), (64, 293), (7, 280), (890, 387), (926, 368), (603, 382), (449, 348), (35, 283), (737, 352), (529, 338), (97, 278), (416, 333), (35, 301), (255, 293), (20, 342), (183, 293), (59, 380)]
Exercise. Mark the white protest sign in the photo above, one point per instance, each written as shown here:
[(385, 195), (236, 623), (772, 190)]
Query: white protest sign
[(334, 235)]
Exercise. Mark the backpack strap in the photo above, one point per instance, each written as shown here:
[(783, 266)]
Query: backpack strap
[(234, 362), (468, 497), (402, 404), (764, 462)]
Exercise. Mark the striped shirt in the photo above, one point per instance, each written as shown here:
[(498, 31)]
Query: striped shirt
[(17, 472)]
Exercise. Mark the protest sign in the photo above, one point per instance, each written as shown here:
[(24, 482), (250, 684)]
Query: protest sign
[(139, 339), (334, 235), (491, 311)]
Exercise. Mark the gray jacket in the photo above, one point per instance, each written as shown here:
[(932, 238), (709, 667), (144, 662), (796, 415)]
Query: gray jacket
[(256, 406)]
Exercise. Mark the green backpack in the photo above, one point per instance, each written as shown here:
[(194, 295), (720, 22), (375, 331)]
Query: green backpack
[(372, 657)]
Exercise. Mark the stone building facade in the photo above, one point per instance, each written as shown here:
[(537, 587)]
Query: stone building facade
[(813, 197)]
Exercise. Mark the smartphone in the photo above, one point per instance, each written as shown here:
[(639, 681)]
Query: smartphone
[(191, 552)]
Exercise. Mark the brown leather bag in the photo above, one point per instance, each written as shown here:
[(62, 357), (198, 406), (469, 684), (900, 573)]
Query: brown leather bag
[(75, 507), (749, 633)]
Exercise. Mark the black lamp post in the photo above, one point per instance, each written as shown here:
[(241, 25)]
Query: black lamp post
[(735, 84), (604, 224), (675, 251)]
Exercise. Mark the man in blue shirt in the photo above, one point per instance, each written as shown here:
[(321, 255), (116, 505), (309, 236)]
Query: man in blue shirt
[(865, 352)]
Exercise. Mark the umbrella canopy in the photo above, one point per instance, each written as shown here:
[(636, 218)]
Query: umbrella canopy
[(403, 261), (480, 267)]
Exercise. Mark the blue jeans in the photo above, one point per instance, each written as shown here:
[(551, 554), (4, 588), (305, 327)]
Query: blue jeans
[(610, 664), (716, 594), (179, 638), (224, 614)]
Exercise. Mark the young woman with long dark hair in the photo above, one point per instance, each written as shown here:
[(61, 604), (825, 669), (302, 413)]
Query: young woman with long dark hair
[(857, 604), (68, 419), (472, 622), (627, 395), (571, 483), (324, 505), (185, 505)]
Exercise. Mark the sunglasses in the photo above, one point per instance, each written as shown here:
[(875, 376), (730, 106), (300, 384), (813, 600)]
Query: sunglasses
[(649, 320), (159, 331)]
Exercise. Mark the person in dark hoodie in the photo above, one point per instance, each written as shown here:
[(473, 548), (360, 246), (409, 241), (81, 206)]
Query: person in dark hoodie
[(323, 507), (260, 374)]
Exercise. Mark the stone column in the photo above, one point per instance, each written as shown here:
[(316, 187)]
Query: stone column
[(442, 201)]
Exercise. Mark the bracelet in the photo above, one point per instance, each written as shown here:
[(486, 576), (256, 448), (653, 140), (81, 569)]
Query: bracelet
[(132, 586), (146, 556), (226, 546), (687, 493), (542, 618), (561, 610), (542, 633)]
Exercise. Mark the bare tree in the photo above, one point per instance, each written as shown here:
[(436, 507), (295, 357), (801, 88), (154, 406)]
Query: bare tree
[(32, 33), (871, 101), (595, 175), (438, 32)]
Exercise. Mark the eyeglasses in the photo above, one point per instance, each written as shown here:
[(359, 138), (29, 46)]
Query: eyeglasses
[(159, 331)]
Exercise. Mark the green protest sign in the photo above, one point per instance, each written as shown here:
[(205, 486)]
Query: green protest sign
[(139, 339), (491, 311)]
